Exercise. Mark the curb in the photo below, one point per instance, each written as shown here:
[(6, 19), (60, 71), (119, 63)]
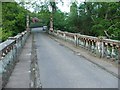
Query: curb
[(34, 75)]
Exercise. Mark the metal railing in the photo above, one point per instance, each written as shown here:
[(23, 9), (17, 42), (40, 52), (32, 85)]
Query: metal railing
[(9, 52), (104, 48)]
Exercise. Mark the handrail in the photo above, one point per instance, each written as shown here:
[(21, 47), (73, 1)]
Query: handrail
[(104, 48), (9, 52), (6, 47)]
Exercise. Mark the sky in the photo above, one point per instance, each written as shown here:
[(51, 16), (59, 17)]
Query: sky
[(63, 7), (66, 6)]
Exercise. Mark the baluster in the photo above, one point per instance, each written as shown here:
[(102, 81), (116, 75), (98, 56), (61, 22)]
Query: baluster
[(86, 44), (95, 47), (92, 46), (108, 51), (102, 49), (76, 40), (116, 53), (83, 42), (119, 53), (88, 47), (113, 52), (79, 41)]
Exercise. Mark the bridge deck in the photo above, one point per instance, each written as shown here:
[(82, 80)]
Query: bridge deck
[(62, 68), (59, 66)]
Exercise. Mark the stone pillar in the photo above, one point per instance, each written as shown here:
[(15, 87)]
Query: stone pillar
[(76, 39), (51, 23), (27, 23)]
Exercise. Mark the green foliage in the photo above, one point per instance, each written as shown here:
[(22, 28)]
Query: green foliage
[(59, 20), (44, 16), (91, 18), (0, 34), (37, 24), (13, 18)]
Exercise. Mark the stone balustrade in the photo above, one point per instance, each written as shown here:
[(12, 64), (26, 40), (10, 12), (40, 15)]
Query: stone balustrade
[(99, 46), (9, 52)]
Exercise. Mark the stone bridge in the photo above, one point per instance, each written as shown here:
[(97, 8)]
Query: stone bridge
[(60, 60)]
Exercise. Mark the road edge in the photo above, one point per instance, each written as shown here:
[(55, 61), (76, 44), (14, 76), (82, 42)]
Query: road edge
[(102, 67)]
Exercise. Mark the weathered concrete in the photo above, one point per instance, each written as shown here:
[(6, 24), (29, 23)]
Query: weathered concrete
[(62, 68), (103, 63), (9, 52), (35, 75), (0, 81), (20, 77), (99, 46)]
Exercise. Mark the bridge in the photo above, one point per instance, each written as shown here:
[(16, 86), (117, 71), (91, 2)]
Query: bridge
[(58, 59)]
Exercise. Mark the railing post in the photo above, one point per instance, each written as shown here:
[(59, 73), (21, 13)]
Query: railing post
[(76, 40)]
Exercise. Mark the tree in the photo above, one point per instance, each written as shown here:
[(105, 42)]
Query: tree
[(14, 19)]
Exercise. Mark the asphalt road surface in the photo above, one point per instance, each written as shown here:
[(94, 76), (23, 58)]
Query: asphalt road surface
[(62, 68)]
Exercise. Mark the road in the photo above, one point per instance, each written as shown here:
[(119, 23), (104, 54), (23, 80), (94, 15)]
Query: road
[(62, 68)]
